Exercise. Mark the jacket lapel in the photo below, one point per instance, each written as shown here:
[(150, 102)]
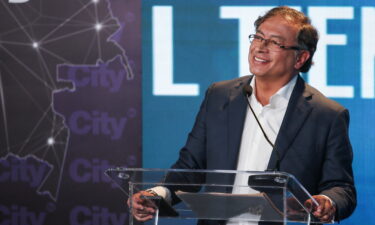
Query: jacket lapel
[(296, 114), (237, 108)]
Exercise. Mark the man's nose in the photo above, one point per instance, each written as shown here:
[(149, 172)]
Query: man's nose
[(264, 42), (263, 45)]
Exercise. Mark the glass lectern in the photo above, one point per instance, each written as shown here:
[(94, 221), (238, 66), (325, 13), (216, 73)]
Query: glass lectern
[(226, 195)]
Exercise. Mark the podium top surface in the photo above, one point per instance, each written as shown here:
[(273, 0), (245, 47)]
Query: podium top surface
[(221, 194)]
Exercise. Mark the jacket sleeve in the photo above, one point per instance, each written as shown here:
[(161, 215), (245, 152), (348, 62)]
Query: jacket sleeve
[(337, 176), (191, 156)]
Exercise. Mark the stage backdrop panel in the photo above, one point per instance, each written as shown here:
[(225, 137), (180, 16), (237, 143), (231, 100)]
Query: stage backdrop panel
[(187, 45), (70, 90)]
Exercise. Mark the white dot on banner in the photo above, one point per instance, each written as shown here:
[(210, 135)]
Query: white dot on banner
[(35, 45), (50, 141), (98, 26)]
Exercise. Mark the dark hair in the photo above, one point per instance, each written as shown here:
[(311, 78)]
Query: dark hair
[(307, 36)]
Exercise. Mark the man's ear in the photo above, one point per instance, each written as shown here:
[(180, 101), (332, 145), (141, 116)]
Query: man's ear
[(302, 57)]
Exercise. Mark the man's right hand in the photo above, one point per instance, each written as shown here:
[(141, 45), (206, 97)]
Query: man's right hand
[(142, 209)]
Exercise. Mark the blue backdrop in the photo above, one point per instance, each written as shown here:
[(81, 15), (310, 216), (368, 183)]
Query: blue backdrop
[(189, 44)]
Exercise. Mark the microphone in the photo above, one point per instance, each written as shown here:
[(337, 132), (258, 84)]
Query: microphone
[(248, 91)]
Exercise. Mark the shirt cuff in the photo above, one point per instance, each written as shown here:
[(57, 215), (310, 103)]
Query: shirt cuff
[(163, 192)]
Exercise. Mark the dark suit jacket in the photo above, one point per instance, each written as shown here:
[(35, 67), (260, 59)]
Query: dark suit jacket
[(313, 141)]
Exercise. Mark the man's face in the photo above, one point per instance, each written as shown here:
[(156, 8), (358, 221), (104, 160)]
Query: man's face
[(268, 64)]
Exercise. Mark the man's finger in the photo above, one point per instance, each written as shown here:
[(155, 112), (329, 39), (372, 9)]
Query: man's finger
[(138, 205), (142, 218), (328, 208), (308, 204), (325, 211), (326, 218), (142, 209), (148, 210)]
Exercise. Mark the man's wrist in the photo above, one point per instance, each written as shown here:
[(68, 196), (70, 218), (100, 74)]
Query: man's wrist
[(152, 192), (331, 201), (161, 191), (333, 204)]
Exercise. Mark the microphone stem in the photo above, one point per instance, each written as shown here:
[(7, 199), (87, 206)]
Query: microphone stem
[(256, 118)]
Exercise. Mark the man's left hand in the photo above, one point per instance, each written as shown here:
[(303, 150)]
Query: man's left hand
[(325, 212)]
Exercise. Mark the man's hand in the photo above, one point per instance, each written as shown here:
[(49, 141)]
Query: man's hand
[(325, 212), (142, 209)]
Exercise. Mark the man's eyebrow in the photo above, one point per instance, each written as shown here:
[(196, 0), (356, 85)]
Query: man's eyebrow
[(260, 32)]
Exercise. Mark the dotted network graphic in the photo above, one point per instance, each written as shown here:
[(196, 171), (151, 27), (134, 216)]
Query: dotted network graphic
[(36, 38)]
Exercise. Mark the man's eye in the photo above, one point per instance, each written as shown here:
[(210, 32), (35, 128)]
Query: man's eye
[(275, 42)]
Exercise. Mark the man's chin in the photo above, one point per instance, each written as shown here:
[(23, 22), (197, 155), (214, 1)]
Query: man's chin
[(257, 72)]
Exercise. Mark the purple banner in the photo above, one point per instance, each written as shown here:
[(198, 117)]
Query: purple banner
[(70, 90)]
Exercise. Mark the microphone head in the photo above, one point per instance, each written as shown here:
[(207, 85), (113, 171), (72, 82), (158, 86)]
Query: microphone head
[(247, 90)]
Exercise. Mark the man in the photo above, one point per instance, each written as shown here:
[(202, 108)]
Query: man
[(308, 133)]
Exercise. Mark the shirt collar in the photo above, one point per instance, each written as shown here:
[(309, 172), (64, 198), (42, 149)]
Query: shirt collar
[(281, 97)]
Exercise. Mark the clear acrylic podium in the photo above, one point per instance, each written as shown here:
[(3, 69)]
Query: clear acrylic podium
[(217, 195)]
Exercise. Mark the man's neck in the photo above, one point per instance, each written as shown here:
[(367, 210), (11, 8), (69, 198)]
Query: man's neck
[(265, 88)]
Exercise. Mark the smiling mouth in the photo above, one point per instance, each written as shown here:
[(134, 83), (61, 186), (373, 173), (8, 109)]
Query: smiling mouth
[(259, 59)]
